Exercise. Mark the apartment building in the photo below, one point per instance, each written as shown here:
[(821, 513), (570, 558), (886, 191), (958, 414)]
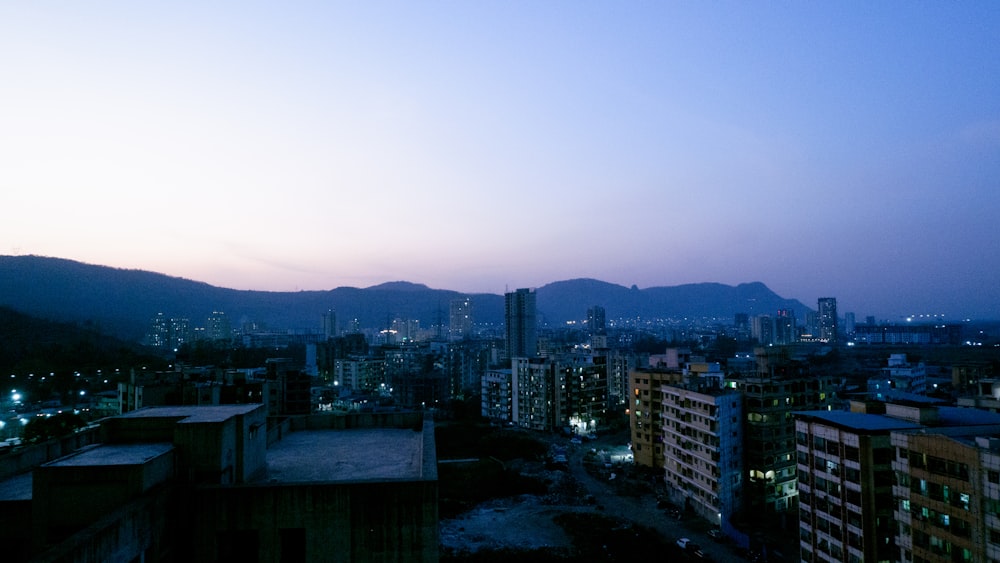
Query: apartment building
[(781, 386), (947, 491), (496, 397), (645, 412), (569, 390), (845, 485), (703, 449), (911, 482)]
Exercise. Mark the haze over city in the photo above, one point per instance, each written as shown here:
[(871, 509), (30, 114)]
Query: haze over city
[(846, 149)]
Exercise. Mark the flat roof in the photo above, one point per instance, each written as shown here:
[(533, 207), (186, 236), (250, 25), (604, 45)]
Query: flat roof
[(112, 454), (346, 455), (860, 421), (209, 413)]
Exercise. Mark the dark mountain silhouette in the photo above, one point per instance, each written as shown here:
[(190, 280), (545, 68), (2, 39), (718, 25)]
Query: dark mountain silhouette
[(29, 344), (121, 302)]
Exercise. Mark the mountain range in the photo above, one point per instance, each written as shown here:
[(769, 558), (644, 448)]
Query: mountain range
[(121, 302)]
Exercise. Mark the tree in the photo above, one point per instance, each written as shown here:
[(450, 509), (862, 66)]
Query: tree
[(56, 426)]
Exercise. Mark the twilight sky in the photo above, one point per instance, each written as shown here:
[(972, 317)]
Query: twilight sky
[(846, 149)]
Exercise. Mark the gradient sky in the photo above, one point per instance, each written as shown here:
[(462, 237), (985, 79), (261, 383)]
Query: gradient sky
[(846, 149)]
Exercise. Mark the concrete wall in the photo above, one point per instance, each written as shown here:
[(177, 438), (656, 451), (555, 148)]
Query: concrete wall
[(363, 522), (68, 498), (137, 531), (24, 458)]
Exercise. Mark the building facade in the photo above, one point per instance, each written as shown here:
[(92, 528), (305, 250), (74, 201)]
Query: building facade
[(703, 450), (521, 324), (646, 413), (826, 321)]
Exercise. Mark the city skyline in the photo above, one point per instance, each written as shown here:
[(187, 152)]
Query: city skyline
[(846, 151)]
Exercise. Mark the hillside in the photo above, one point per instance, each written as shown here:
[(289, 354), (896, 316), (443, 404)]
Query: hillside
[(123, 301)]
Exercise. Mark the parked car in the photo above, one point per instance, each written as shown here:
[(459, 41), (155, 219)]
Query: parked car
[(690, 547)]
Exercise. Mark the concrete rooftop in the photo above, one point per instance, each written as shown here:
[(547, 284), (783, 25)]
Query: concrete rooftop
[(112, 454), (346, 455), (212, 413)]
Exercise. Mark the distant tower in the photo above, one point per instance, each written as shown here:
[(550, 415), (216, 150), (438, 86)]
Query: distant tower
[(219, 327), (762, 329), (520, 324), (596, 320), (827, 319), (785, 331), (849, 323), (158, 334), (330, 324), (460, 319)]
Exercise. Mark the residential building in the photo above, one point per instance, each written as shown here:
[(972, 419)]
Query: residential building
[(781, 386), (520, 322), (596, 320), (827, 322), (703, 449), (646, 412), (566, 391), (845, 485), (899, 376), (786, 331), (460, 319), (497, 396)]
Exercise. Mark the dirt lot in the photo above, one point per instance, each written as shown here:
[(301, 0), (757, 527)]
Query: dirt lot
[(523, 522)]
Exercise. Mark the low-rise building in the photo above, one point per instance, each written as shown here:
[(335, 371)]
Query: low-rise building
[(205, 484)]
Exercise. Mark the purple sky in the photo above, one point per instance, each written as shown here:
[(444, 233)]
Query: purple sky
[(844, 149)]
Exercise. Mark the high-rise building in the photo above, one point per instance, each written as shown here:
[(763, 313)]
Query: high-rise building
[(558, 392), (762, 329), (785, 330), (782, 385), (596, 320), (460, 319), (845, 485), (703, 449), (219, 327), (329, 324), (849, 323), (520, 324), (827, 319)]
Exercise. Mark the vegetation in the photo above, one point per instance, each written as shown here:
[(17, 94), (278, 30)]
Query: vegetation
[(43, 428)]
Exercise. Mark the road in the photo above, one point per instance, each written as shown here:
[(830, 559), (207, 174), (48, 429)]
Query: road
[(642, 509)]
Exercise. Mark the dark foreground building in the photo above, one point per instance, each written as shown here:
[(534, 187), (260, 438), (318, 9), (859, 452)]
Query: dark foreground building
[(224, 483)]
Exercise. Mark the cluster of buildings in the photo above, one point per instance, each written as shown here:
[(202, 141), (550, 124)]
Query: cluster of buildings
[(264, 464)]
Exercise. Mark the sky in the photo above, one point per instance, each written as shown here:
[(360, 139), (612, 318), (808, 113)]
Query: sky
[(827, 149)]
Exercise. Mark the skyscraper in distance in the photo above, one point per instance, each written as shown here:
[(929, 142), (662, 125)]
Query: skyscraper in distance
[(596, 320), (520, 324), (460, 319), (827, 319)]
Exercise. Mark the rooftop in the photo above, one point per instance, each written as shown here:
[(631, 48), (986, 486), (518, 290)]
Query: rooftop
[(369, 454), (859, 421), (113, 454), (215, 413)]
